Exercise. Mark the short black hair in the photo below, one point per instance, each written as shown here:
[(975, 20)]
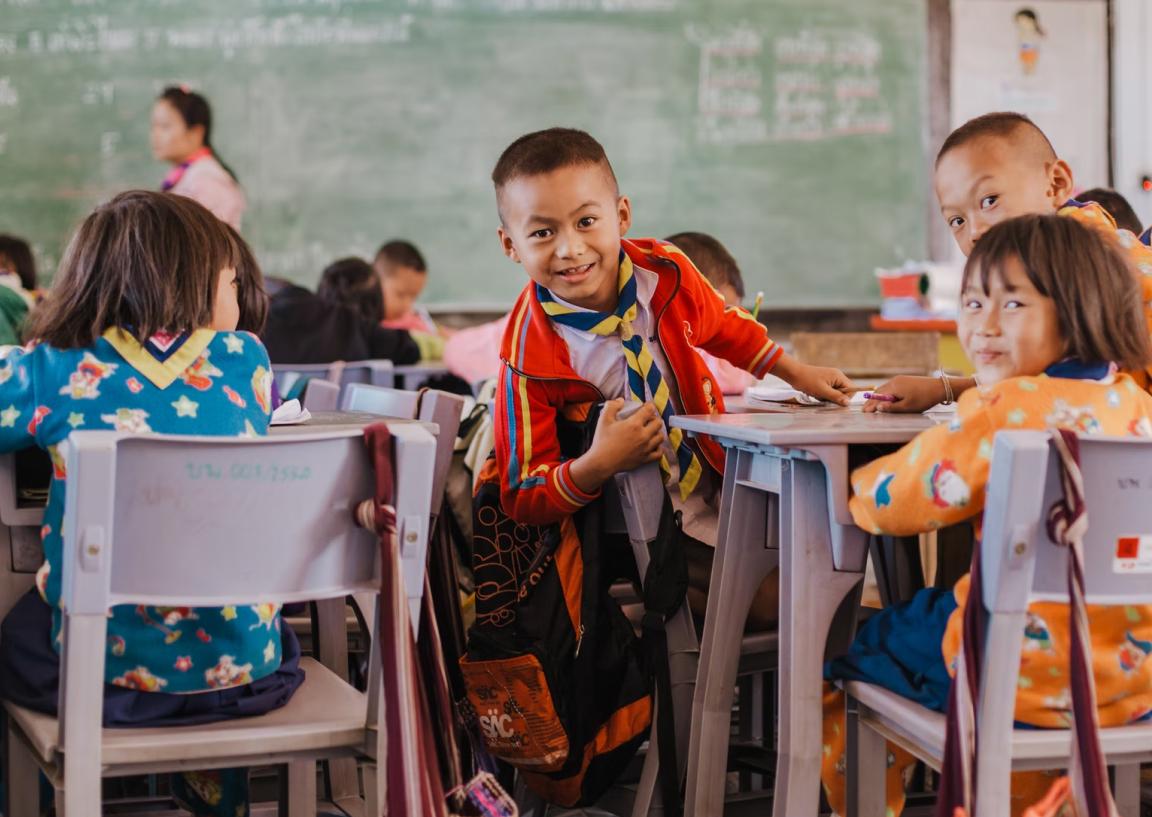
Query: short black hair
[(353, 283), (711, 258), (544, 151), (401, 254), (19, 254), (1000, 124), (1117, 207)]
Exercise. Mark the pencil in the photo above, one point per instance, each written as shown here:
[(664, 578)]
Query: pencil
[(756, 304)]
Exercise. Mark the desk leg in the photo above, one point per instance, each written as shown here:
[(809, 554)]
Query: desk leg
[(811, 592), (744, 556)]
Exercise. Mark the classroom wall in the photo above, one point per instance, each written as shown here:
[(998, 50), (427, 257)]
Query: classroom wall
[(1132, 102)]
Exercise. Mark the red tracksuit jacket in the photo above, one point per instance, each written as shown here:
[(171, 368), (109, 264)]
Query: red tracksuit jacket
[(537, 381)]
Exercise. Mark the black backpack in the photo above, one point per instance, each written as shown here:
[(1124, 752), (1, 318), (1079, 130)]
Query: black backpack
[(558, 683)]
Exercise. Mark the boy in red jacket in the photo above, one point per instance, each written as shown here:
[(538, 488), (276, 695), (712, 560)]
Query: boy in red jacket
[(606, 318)]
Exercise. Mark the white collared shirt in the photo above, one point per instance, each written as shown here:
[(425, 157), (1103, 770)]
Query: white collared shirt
[(600, 360)]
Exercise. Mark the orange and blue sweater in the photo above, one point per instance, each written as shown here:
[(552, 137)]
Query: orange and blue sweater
[(940, 478), (537, 382)]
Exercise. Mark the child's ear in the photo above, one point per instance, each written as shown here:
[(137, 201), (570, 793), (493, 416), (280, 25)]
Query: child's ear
[(624, 214), (1060, 183), (506, 244)]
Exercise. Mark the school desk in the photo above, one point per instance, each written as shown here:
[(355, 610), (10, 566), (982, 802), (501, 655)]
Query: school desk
[(784, 503)]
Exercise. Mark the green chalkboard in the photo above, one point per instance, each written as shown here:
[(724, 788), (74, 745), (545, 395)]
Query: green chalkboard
[(793, 130)]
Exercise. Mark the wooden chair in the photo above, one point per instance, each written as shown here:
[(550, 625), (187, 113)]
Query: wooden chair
[(1020, 565), (134, 533), (870, 354)]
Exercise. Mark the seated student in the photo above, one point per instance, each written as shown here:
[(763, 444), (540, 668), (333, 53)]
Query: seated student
[(992, 168), (16, 260), (1117, 207), (604, 318), (17, 286), (723, 273), (340, 322), (168, 361), (1049, 310)]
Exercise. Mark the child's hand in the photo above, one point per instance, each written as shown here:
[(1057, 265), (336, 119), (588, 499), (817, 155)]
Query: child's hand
[(914, 394), (823, 382), (619, 445)]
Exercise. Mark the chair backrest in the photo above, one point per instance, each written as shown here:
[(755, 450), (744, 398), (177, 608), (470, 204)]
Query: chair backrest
[(870, 354), (432, 406), (634, 507), (380, 400), (376, 372), (1021, 564), (206, 521), (446, 410), (321, 395)]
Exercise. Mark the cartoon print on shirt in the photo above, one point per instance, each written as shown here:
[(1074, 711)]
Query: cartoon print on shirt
[(945, 487), (84, 383)]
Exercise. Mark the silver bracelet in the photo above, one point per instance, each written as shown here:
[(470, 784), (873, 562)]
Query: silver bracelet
[(949, 396)]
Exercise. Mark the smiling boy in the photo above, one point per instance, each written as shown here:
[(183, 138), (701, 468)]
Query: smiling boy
[(605, 318), (990, 169)]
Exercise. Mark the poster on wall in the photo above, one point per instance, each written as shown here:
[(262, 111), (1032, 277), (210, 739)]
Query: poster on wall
[(1044, 58)]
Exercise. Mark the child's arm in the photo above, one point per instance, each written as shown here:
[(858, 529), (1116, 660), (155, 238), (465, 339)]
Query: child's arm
[(537, 486), (19, 416), (936, 480), (912, 394)]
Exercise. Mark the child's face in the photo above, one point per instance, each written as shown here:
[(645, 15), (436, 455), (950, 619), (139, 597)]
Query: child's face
[(1013, 330), (993, 179), (172, 140), (402, 287), (226, 310), (565, 228)]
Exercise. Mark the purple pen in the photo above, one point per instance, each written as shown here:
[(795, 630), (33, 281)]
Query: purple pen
[(883, 398)]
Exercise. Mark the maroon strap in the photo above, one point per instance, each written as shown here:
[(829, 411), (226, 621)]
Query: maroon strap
[(412, 783), (413, 780), (1067, 523)]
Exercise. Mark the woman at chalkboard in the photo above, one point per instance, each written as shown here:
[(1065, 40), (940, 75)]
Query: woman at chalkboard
[(182, 136)]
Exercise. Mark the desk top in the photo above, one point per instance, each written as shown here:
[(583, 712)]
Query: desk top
[(793, 426)]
